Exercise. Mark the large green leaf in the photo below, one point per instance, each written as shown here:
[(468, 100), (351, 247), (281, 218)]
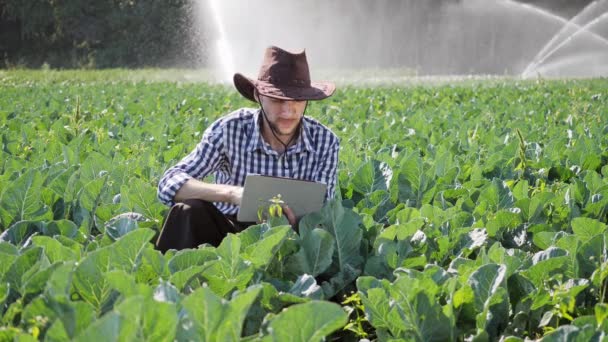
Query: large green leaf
[(217, 319), (504, 220), (513, 259), (37, 282), (485, 281), (230, 271), (153, 267), (54, 250), (535, 213), (412, 183), (189, 278), (312, 321), (405, 309), (22, 201), (378, 204), (494, 317), (586, 228), (166, 292), (25, 267), (262, 252), (339, 281), (125, 283), (545, 269), (253, 234), (549, 253), (120, 227), (147, 320), (38, 307), (128, 248), (469, 240), (573, 333), (587, 255), (89, 278), (19, 232), (70, 318), (344, 225), (89, 281), (4, 290), (107, 328), (8, 248), (306, 286), (61, 227), (423, 315), (496, 196), (371, 176), (96, 165), (92, 192), (60, 282), (187, 258), (58, 181), (139, 196), (315, 254), (381, 312)]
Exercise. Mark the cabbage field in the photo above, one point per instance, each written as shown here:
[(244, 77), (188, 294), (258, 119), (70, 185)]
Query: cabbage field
[(470, 210)]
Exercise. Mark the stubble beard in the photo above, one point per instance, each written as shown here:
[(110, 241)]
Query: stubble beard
[(281, 133)]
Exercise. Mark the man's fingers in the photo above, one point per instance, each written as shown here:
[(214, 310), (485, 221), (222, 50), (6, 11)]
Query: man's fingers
[(236, 195), (291, 217)]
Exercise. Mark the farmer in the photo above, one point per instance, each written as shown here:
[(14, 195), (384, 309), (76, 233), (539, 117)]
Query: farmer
[(275, 139)]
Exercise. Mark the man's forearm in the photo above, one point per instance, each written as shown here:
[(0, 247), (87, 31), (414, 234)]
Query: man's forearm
[(209, 192)]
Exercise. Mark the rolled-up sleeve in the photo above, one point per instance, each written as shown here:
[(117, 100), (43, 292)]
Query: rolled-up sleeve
[(328, 168), (203, 160)]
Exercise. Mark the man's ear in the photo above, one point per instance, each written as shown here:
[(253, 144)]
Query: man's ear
[(256, 95)]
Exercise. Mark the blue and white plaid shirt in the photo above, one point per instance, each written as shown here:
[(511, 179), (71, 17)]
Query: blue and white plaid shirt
[(232, 147)]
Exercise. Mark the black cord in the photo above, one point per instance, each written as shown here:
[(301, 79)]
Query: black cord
[(275, 134)]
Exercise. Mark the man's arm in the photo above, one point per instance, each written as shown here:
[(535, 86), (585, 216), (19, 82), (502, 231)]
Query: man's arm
[(209, 192), (181, 181)]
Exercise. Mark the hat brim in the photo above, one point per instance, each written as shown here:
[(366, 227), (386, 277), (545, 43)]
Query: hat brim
[(316, 90)]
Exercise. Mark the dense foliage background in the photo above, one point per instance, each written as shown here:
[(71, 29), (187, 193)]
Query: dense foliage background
[(470, 211)]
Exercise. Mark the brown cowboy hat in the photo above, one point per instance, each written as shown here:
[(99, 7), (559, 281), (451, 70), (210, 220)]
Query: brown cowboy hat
[(284, 76)]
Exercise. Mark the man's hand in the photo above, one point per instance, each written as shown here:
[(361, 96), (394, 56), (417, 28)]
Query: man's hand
[(236, 195)]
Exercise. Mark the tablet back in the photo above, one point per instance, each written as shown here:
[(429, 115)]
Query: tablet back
[(301, 196)]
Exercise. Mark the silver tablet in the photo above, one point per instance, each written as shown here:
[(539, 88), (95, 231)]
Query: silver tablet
[(301, 196)]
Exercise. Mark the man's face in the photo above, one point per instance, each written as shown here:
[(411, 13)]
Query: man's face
[(283, 116)]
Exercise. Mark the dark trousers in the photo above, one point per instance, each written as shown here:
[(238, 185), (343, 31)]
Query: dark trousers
[(194, 222)]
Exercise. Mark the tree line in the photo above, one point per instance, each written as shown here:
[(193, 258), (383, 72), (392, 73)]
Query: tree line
[(137, 33), (97, 33)]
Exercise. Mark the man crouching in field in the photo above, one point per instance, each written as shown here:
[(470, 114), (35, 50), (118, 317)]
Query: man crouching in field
[(274, 140)]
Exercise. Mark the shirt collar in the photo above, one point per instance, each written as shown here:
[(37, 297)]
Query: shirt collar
[(304, 141)]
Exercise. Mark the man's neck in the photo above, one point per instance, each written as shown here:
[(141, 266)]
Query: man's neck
[(274, 143)]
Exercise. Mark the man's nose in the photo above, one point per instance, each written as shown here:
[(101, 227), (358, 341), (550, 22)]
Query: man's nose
[(288, 109)]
